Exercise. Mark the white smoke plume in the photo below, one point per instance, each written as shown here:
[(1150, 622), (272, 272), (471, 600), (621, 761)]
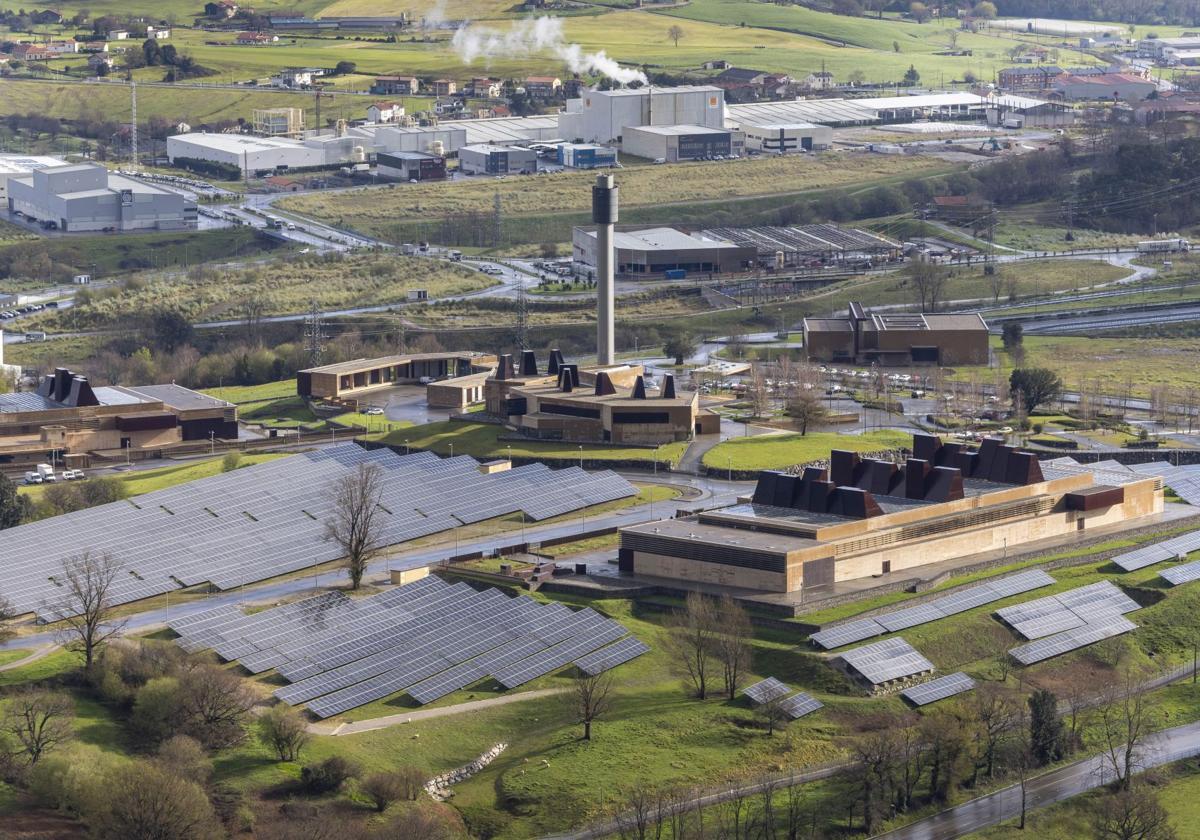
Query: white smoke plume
[(543, 36)]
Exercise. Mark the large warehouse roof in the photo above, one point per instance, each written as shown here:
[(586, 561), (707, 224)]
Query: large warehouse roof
[(239, 143), (24, 164), (654, 239)]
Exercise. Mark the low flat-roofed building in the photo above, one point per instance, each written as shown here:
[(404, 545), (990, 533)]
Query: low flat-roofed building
[(66, 415), (88, 197), (347, 380), (244, 151), (787, 137), (592, 405), (862, 518), (900, 338), (411, 166), (653, 252), (672, 143), (486, 159), (18, 166)]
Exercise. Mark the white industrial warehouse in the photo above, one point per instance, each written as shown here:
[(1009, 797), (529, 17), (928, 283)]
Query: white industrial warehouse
[(87, 197), (17, 166)]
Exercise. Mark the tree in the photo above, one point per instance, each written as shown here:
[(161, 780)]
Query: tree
[(357, 524), (172, 329), (680, 344), (329, 775), (385, 788), (217, 704), (143, 802), (1134, 814), (1012, 335), (928, 282), (757, 392), (675, 33), (589, 698), (771, 713), (1126, 714), (732, 644), (1046, 735), (14, 508), (985, 10), (911, 76), (284, 731), (7, 613), (806, 409), (86, 607), (994, 712), (919, 11), (186, 758), (856, 77), (691, 641), (344, 68), (1035, 387), (38, 721)]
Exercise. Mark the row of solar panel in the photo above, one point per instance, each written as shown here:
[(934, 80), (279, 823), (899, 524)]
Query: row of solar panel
[(428, 639), (951, 604), (887, 660), (771, 690)]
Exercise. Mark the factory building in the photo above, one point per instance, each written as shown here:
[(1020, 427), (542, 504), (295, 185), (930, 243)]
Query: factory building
[(1012, 111), (68, 417), (496, 160), (1110, 86), (586, 155), (87, 197), (859, 519), (602, 404), (18, 166), (434, 140), (278, 122), (246, 152), (897, 338), (601, 116), (787, 137), (411, 166), (347, 380), (810, 246), (658, 252), (673, 143)]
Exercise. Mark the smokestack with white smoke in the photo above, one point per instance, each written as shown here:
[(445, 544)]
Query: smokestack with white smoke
[(543, 36)]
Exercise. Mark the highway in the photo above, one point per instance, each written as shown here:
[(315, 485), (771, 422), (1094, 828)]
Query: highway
[(977, 814)]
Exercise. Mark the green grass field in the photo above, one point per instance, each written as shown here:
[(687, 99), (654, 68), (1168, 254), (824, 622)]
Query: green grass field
[(773, 452), (481, 440), (138, 482)]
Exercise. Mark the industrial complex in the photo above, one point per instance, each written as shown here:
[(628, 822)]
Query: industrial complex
[(88, 197), (865, 337)]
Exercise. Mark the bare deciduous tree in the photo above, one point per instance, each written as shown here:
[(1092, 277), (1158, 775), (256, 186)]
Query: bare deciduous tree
[(217, 704), (675, 32), (357, 524), (806, 410), (928, 282), (590, 698), (637, 813), (38, 721), (1134, 814), (691, 641), (85, 608), (733, 644), (1126, 714), (757, 392)]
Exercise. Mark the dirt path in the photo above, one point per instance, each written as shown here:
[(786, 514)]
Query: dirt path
[(373, 724), (41, 652)]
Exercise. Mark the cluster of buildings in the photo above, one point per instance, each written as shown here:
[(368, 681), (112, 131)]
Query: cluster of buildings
[(1079, 84), (691, 122), (897, 338), (68, 420)]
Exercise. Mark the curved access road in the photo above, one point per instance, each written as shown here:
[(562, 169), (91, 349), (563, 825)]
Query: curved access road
[(1084, 775)]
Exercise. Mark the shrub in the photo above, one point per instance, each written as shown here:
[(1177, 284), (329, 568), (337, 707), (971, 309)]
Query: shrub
[(231, 461), (385, 788), (329, 775), (284, 731), (157, 709), (184, 757)]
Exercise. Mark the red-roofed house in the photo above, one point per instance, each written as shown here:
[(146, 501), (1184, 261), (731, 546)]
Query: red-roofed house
[(32, 52), (1123, 86), (543, 87), (255, 39)]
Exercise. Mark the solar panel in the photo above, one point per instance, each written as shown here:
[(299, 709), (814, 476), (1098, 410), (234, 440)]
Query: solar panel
[(910, 617), (1176, 547), (799, 705), (939, 689), (609, 657), (887, 660), (1186, 573), (1065, 642), (766, 690), (848, 633)]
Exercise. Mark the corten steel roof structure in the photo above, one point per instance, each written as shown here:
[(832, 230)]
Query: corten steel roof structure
[(269, 519), (426, 639)]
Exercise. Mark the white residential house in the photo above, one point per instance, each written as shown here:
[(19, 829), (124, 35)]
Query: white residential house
[(159, 33), (821, 80), (385, 112), (97, 60), (118, 34)]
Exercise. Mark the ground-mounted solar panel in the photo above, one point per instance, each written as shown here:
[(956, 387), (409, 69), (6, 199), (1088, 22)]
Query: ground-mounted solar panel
[(1058, 644), (1185, 573), (887, 660), (766, 690), (610, 657), (938, 689), (1019, 583), (799, 705), (848, 633), (910, 617)]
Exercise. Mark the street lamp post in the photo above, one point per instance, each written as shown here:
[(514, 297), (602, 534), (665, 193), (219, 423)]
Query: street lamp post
[(581, 456), (406, 446), (212, 443), (451, 450)]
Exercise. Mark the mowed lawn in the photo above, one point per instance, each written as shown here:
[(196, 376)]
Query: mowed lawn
[(482, 440), (773, 452), (137, 482)]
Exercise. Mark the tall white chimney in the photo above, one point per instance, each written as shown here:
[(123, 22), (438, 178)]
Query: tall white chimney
[(604, 216)]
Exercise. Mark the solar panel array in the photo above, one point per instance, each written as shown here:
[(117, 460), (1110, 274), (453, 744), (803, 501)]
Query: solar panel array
[(1091, 604), (269, 519), (1060, 643), (766, 690), (1148, 555), (1177, 575), (956, 602), (1184, 480), (887, 660), (771, 689), (939, 689), (427, 639)]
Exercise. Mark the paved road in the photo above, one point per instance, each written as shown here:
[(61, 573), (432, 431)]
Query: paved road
[(360, 726), (1056, 786)]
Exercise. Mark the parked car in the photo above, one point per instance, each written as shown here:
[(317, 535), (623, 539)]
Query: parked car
[(374, 411)]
